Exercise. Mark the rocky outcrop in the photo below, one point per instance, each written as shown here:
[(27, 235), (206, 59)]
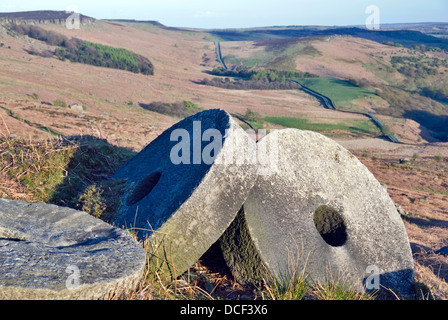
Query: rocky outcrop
[(42, 17), (50, 252)]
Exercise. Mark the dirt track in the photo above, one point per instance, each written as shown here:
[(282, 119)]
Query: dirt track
[(380, 146)]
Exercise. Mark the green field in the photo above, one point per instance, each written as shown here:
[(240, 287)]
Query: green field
[(356, 126), (260, 59), (341, 92)]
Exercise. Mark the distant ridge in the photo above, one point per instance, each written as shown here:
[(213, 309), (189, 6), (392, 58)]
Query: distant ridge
[(152, 22), (42, 16), (405, 37)]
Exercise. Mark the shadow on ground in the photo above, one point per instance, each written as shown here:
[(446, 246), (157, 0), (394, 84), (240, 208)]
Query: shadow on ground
[(91, 167), (437, 125)]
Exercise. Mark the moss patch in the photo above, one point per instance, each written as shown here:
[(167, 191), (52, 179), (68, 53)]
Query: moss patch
[(240, 253)]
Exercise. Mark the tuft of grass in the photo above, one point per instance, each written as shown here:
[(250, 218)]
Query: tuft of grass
[(60, 103), (178, 109), (299, 285), (92, 202), (158, 282), (31, 171), (296, 288), (296, 284), (339, 288), (102, 199)]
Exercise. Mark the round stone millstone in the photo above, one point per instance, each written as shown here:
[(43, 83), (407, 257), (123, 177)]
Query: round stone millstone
[(321, 212), (184, 189), (51, 252)]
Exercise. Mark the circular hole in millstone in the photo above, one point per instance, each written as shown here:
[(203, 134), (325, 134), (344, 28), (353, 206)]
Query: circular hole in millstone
[(144, 188), (330, 225)]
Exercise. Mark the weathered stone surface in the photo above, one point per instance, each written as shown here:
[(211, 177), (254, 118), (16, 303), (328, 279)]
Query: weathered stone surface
[(187, 206), (323, 212), (241, 253), (50, 252)]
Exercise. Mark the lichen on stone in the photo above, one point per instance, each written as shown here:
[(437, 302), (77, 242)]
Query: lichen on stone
[(240, 253)]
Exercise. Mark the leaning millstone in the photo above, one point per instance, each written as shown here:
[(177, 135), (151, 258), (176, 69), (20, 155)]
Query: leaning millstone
[(50, 252), (323, 214), (185, 188)]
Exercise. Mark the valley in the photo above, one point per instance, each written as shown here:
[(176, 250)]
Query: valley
[(402, 85)]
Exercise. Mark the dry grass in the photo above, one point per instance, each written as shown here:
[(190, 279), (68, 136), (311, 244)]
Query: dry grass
[(31, 171), (75, 173), (339, 288), (419, 187), (158, 284), (430, 284), (203, 283), (72, 172)]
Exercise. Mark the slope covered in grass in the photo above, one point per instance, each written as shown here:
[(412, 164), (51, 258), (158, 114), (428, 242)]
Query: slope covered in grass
[(341, 92), (76, 50), (353, 126)]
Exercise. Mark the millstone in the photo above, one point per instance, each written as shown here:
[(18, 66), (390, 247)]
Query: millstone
[(184, 189), (322, 213), (50, 252)]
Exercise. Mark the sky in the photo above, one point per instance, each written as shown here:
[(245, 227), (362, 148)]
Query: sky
[(246, 13)]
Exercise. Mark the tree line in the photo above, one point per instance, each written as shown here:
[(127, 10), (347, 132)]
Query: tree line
[(176, 109), (435, 93), (226, 83), (417, 67), (76, 50), (270, 75), (244, 78)]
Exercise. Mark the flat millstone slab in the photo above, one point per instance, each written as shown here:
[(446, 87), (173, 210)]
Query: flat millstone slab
[(323, 212), (184, 189), (50, 252)]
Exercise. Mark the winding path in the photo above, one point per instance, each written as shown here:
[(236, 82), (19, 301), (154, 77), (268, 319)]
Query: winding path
[(324, 100), (219, 56), (328, 103)]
